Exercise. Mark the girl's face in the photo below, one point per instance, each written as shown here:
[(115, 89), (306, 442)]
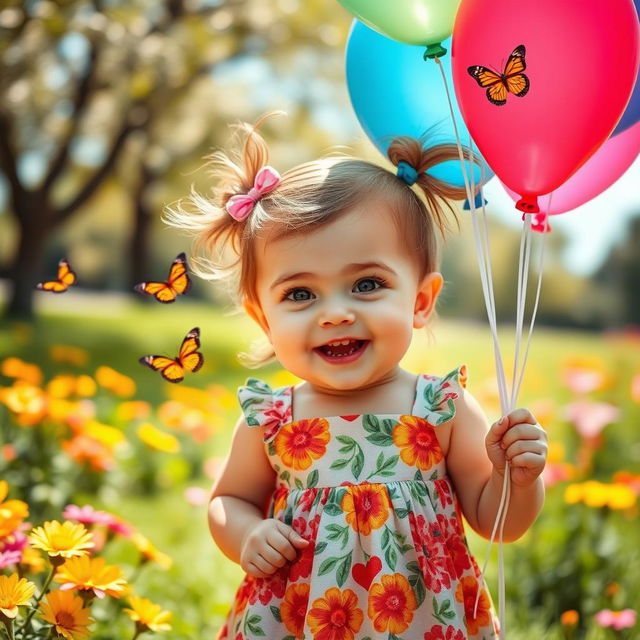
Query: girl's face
[(339, 303)]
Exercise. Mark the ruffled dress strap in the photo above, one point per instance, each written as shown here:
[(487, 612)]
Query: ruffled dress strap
[(435, 395), (264, 406)]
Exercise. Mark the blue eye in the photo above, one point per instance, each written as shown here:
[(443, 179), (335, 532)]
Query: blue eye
[(367, 285), (297, 295)]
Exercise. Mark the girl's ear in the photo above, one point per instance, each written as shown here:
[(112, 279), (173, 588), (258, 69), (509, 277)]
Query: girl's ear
[(255, 311), (426, 298)]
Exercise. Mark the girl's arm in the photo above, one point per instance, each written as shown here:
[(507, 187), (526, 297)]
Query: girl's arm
[(238, 501), (475, 463), (241, 492)]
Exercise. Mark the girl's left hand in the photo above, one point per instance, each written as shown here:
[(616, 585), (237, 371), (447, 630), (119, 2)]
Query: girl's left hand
[(520, 440)]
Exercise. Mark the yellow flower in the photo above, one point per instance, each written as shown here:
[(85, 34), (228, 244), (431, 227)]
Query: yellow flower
[(66, 613), (68, 355), (32, 561), (621, 496), (148, 552), (92, 574), (27, 401), (61, 541), (12, 512), (595, 493), (157, 439), (132, 409), (61, 386), (148, 615), (115, 382), (14, 592), (105, 434), (573, 494)]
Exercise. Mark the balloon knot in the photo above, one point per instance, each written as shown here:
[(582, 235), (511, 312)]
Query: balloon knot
[(528, 204), (434, 51)]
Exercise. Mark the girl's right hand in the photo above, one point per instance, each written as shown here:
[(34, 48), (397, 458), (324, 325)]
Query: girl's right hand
[(269, 546)]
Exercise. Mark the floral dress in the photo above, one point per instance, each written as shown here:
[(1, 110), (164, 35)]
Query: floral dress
[(387, 558)]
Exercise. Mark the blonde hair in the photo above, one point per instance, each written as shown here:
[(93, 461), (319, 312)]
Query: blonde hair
[(309, 196)]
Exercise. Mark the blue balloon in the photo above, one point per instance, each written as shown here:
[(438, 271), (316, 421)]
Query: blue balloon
[(395, 92), (631, 114)]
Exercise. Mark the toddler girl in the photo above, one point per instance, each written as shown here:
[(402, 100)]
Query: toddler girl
[(342, 497)]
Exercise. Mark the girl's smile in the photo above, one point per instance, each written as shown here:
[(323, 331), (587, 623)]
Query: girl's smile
[(343, 350)]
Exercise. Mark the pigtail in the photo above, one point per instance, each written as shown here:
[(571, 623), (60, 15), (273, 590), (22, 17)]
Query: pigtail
[(436, 192), (216, 233)]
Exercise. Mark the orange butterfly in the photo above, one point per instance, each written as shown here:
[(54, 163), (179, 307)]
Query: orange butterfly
[(66, 278), (500, 84), (189, 359), (177, 283)]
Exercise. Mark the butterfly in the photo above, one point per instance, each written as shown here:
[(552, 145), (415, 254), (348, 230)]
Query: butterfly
[(188, 359), (500, 84), (177, 283), (66, 277)]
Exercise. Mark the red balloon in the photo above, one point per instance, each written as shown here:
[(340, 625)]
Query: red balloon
[(541, 84)]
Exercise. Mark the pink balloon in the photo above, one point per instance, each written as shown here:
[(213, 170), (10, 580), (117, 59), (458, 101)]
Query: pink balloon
[(581, 60), (598, 173)]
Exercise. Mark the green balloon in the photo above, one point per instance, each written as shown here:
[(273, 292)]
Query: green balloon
[(418, 22)]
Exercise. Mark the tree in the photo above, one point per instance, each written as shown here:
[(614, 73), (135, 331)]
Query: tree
[(96, 71)]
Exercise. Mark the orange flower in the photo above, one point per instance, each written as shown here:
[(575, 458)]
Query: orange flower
[(466, 593), (391, 604), (148, 552), (14, 592), (85, 449), (294, 608), (569, 618), (417, 441), (336, 616), (299, 443), (68, 355), (147, 615), (91, 575), (12, 512), (27, 401), (66, 613), (21, 370), (366, 507), (115, 382)]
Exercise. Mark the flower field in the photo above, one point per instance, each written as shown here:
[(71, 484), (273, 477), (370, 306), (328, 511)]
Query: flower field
[(105, 470)]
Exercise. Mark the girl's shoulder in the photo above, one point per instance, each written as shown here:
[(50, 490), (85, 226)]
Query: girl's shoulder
[(265, 406), (436, 395)]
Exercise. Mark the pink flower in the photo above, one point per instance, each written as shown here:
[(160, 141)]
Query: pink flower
[(583, 379), (11, 549), (86, 514), (119, 526), (555, 472), (617, 619), (635, 388), (196, 496), (590, 418)]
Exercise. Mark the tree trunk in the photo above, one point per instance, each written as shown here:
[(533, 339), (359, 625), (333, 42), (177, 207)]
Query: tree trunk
[(26, 270), (143, 218)]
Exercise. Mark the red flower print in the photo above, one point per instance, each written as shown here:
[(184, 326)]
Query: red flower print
[(444, 492), (417, 441), (391, 604), (301, 566), (306, 499), (366, 507), (278, 414), (454, 544), (466, 593), (434, 561), (299, 443), (438, 633), (336, 616), (294, 608), (245, 590), (272, 586)]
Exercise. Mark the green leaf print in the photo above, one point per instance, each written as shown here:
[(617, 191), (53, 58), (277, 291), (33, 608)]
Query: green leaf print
[(285, 476), (332, 509), (320, 547), (443, 612), (379, 432), (252, 623), (344, 569), (356, 459), (312, 479), (384, 467), (416, 580), (299, 484), (336, 532), (391, 557), (275, 611)]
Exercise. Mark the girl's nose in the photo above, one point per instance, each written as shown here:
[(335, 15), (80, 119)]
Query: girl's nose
[(336, 315)]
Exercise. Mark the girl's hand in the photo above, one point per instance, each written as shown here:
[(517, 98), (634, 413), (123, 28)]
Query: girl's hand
[(268, 547), (520, 440)]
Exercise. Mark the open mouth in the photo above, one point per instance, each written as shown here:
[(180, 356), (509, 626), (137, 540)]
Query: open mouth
[(344, 350)]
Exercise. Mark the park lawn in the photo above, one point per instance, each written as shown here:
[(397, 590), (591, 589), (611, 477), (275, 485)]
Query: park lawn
[(199, 586)]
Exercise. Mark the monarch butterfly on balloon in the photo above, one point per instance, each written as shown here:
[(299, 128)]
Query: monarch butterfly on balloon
[(188, 359), (511, 80), (65, 278), (177, 283)]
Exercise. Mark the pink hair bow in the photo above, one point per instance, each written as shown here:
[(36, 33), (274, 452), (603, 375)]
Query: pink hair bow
[(241, 205)]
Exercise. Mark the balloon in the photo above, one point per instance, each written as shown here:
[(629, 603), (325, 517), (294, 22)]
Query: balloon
[(632, 112), (581, 64), (425, 22), (394, 92), (598, 173)]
